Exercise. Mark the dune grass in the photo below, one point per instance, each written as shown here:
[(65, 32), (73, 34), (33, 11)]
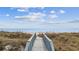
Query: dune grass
[(65, 41), (13, 41)]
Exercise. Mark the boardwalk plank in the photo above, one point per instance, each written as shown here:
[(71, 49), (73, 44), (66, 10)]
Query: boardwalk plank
[(39, 45)]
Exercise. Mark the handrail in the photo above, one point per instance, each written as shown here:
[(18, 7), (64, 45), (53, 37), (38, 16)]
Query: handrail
[(48, 42), (30, 43)]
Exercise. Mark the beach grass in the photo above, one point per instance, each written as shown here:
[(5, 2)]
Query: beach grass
[(66, 41), (13, 41)]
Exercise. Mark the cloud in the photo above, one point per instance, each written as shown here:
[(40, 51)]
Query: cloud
[(52, 11), (20, 17), (32, 16), (38, 17), (7, 15), (62, 11), (53, 16), (23, 9), (20, 9)]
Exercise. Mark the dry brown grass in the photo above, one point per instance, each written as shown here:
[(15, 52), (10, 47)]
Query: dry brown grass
[(16, 40), (40, 34), (65, 41)]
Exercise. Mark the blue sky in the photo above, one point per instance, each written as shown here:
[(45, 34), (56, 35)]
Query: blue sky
[(39, 17)]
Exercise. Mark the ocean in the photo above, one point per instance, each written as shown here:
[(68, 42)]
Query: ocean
[(39, 30)]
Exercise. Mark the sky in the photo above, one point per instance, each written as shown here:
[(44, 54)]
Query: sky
[(44, 18)]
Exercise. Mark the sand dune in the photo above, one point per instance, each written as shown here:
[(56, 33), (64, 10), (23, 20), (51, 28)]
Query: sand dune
[(65, 41), (13, 41)]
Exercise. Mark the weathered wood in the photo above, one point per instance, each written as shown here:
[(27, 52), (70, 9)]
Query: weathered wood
[(39, 45), (30, 43), (36, 43), (48, 42)]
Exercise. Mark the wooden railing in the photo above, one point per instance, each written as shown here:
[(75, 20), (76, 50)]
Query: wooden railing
[(48, 43), (30, 43)]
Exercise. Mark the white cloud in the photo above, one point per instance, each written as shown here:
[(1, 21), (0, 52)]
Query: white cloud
[(38, 17), (42, 7), (62, 11), (20, 17), (53, 16), (23, 9), (32, 16), (20, 9), (37, 14), (52, 11), (7, 15)]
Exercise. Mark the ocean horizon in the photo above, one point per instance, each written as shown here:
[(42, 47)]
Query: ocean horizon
[(38, 30)]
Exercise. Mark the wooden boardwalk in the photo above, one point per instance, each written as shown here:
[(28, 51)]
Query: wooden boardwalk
[(39, 45)]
